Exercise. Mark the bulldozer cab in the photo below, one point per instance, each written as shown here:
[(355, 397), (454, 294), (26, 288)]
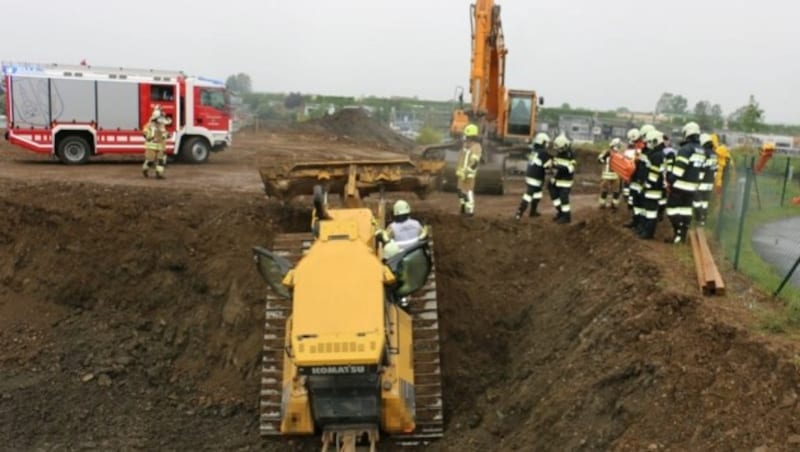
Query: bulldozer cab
[(521, 124), (411, 269)]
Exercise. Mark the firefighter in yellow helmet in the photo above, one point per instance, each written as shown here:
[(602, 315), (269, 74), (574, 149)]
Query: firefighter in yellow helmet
[(467, 168), (155, 143)]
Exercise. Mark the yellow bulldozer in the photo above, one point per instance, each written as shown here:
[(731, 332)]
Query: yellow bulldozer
[(351, 340)]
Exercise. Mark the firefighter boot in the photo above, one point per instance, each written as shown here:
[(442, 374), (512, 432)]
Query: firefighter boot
[(534, 206), (521, 209), (566, 217), (146, 169), (649, 229)]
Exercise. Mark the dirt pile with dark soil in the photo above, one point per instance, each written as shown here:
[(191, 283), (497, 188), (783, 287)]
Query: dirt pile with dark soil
[(133, 319), (356, 126)]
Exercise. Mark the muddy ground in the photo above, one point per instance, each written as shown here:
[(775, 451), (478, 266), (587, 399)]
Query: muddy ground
[(131, 318)]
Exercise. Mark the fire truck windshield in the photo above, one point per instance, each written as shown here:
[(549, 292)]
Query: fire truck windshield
[(214, 98)]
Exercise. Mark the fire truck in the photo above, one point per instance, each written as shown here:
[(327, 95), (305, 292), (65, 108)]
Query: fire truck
[(75, 112)]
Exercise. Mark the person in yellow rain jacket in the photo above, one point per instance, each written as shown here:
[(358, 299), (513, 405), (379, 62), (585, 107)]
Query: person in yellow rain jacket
[(155, 136), (723, 158), (467, 169)]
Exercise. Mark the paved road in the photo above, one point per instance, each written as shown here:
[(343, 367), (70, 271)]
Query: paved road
[(779, 244)]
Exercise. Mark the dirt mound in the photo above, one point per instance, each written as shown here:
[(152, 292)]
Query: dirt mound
[(356, 126), (132, 318)]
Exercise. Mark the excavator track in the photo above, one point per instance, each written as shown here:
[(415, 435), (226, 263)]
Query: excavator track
[(424, 309)]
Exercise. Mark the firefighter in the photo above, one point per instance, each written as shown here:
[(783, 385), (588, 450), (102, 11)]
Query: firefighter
[(683, 182), (636, 187), (467, 169), (609, 180), (669, 160), (539, 160), (652, 182), (404, 231), (630, 154), (706, 185), (155, 138), (561, 184)]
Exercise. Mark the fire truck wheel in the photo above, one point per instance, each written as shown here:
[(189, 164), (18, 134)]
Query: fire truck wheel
[(195, 150), (73, 150)]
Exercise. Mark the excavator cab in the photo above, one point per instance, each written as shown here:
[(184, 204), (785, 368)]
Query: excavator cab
[(521, 123)]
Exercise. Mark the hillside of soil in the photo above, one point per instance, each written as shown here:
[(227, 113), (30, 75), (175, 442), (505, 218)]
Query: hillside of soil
[(131, 318)]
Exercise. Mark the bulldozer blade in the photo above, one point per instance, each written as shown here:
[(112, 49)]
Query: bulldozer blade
[(285, 182)]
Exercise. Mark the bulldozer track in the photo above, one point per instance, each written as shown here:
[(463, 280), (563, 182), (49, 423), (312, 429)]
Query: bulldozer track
[(424, 310)]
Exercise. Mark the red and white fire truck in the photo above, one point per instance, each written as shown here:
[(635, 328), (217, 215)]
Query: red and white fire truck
[(78, 111)]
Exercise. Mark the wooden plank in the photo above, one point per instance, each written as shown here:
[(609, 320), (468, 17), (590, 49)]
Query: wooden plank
[(712, 271), (698, 260)]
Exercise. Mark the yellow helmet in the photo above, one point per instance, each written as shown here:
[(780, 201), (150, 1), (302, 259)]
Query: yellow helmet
[(706, 139), (471, 130), (645, 130), (715, 139)]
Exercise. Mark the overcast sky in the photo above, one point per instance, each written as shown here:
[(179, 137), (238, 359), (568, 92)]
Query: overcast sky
[(600, 54)]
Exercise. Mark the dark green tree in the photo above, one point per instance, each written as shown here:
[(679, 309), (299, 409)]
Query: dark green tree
[(239, 83)]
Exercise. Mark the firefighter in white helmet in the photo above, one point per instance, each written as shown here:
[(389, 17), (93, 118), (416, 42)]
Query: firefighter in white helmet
[(403, 231), (467, 169), (155, 143), (539, 160), (706, 185), (683, 181), (609, 180), (630, 153), (652, 180), (635, 187), (561, 184)]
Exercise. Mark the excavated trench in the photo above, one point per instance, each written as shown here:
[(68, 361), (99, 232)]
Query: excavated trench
[(133, 319)]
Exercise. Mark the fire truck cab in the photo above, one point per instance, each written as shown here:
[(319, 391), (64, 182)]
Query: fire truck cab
[(77, 111)]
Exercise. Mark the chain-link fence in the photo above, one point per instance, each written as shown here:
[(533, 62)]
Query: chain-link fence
[(753, 194)]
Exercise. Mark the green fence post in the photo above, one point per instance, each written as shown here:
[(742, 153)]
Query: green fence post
[(786, 279), (785, 179), (745, 202)]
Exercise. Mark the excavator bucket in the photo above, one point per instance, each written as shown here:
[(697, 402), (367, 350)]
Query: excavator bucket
[(352, 177)]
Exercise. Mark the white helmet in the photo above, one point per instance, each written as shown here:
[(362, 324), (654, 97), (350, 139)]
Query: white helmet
[(645, 129), (691, 128), (633, 136), (654, 138), (401, 207), (615, 143), (541, 139), (561, 142), (705, 139)]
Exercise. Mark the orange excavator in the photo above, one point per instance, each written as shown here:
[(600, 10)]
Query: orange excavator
[(506, 118)]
